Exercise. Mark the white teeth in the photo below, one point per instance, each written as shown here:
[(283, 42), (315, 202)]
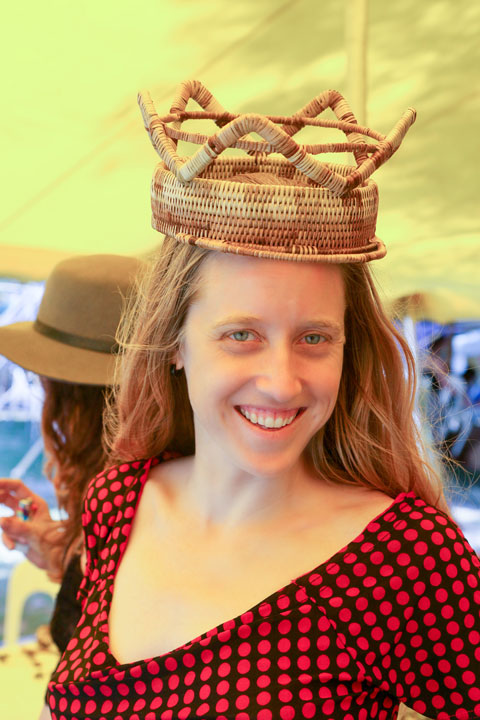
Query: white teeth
[(268, 421)]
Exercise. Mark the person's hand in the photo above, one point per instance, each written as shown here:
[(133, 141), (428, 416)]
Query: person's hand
[(35, 535)]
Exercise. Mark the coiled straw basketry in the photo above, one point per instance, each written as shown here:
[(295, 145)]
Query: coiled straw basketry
[(315, 210)]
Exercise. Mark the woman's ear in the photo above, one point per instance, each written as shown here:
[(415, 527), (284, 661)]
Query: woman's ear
[(178, 358), (176, 367)]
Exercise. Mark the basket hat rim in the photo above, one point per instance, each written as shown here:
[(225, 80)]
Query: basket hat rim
[(375, 250), (277, 221)]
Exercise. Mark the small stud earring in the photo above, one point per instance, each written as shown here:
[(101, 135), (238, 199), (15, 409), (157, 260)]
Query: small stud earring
[(175, 371)]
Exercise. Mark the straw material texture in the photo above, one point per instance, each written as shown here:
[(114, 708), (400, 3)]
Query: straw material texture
[(325, 212)]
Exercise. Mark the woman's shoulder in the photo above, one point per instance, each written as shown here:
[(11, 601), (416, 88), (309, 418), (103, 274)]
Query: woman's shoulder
[(108, 495), (114, 479), (117, 486), (110, 504), (409, 549), (412, 527)]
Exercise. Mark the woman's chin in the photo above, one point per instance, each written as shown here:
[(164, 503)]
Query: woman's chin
[(266, 464)]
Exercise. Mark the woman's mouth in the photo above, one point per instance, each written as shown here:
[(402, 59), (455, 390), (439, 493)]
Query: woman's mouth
[(268, 419)]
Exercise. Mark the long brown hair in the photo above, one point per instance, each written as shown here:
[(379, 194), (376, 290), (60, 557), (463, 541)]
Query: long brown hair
[(371, 438), (72, 426)]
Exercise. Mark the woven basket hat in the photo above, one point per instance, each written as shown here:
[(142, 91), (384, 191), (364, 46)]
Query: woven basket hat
[(73, 336), (329, 216)]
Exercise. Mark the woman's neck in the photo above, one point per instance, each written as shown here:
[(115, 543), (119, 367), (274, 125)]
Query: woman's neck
[(223, 496)]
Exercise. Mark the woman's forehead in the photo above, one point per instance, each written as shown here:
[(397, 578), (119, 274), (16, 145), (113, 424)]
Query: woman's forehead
[(238, 283), (221, 268)]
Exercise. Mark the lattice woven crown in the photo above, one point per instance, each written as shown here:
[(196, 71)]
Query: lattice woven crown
[(327, 212)]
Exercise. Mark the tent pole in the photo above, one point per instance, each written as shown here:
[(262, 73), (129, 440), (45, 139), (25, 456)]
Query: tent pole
[(356, 17)]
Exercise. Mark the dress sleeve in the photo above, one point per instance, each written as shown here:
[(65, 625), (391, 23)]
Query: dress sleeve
[(404, 602), (96, 526), (436, 653), (104, 498)]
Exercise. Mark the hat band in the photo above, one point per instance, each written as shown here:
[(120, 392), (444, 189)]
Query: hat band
[(102, 346)]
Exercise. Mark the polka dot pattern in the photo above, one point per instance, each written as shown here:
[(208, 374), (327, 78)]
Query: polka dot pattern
[(393, 617)]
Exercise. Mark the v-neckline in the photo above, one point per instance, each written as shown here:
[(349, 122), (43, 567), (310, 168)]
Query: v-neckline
[(142, 477)]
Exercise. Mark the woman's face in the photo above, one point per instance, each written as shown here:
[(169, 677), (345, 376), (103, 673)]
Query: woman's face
[(262, 352)]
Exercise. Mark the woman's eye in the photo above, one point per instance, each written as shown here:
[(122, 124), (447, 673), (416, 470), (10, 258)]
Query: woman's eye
[(241, 335), (314, 339)]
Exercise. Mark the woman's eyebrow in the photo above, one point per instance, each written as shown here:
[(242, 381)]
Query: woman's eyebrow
[(326, 324), (247, 319), (236, 320)]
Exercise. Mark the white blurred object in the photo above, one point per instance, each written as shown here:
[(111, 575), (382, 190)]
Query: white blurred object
[(21, 394), (468, 518)]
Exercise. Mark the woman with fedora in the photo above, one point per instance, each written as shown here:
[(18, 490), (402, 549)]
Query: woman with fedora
[(271, 543), (72, 346)]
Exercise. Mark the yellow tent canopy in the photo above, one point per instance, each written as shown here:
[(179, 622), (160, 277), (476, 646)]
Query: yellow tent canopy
[(76, 161)]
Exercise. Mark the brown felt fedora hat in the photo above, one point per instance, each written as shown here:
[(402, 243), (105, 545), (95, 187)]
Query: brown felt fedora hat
[(73, 337)]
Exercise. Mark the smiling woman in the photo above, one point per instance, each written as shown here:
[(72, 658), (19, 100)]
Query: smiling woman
[(270, 542), (266, 367), (198, 301)]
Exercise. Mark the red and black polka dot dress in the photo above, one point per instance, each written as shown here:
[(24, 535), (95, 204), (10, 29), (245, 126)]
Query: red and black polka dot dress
[(393, 616)]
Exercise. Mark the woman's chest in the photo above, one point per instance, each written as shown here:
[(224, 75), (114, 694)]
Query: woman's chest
[(170, 595), (171, 589)]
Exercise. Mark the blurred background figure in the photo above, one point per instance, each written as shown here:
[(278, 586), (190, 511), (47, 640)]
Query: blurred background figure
[(451, 395), (71, 345)]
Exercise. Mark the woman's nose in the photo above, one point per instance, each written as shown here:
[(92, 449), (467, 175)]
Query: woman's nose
[(279, 377)]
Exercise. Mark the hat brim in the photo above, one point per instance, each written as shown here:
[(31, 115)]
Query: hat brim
[(26, 347), (374, 250)]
